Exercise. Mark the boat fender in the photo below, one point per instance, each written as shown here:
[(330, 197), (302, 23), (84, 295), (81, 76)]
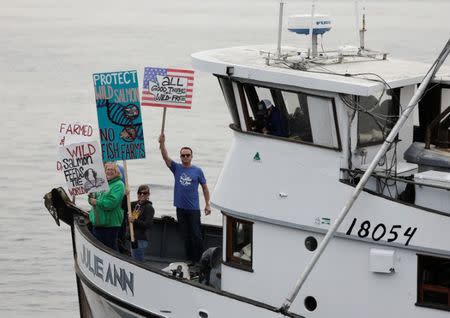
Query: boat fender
[(210, 271)]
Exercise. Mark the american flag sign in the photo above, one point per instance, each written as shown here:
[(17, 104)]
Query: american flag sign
[(167, 87)]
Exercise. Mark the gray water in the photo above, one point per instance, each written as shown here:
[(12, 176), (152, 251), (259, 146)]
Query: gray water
[(49, 51)]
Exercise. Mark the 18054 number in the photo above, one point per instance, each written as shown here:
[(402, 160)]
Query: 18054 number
[(380, 230)]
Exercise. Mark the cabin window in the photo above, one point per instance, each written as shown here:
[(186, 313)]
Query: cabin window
[(433, 282), (299, 117), (239, 243), (377, 116)]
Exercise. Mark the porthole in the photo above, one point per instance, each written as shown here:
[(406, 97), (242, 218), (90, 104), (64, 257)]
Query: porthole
[(311, 243), (310, 303)]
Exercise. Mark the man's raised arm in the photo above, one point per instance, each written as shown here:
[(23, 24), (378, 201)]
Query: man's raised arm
[(162, 147)]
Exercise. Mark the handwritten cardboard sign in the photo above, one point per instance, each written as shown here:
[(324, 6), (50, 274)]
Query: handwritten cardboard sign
[(119, 115), (82, 167), (167, 87), (73, 132)]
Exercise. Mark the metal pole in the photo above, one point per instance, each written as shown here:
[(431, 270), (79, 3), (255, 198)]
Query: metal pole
[(311, 30), (280, 25), (357, 18), (384, 148)]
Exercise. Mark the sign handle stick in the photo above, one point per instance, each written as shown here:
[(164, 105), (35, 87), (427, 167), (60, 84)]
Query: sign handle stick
[(163, 120), (130, 224)]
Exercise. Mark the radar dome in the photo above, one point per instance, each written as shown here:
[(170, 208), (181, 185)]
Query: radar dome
[(301, 23)]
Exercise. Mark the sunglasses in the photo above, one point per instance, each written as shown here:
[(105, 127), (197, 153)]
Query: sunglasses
[(185, 155), (143, 192)]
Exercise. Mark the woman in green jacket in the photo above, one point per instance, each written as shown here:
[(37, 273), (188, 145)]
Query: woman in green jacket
[(106, 214)]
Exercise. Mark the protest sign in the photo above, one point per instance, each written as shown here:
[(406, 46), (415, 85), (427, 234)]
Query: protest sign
[(83, 168), (72, 133), (119, 115), (167, 87)]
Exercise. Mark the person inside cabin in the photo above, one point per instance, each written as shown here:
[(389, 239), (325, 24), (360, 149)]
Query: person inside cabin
[(106, 213), (274, 123), (142, 213), (260, 118), (186, 199)]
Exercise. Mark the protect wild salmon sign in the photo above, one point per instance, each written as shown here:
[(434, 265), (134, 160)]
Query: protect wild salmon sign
[(82, 167), (119, 115)]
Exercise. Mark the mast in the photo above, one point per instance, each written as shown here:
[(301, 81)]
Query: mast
[(359, 187)]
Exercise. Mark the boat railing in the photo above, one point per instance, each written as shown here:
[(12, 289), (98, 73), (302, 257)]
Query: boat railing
[(389, 187), (296, 59)]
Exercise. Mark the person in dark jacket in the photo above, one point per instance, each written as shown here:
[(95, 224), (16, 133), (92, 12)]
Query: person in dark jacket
[(142, 218), (106, 213), (274, 121)]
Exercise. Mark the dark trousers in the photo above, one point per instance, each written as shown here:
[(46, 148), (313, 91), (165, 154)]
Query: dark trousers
[(107, 235), (189, 222)]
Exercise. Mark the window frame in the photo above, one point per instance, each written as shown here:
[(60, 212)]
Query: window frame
[(245, 85), (424, 262), (230, 259), (226, 85), (396, 101)]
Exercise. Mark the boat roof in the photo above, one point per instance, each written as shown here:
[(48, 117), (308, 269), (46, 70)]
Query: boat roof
[(249, 63)]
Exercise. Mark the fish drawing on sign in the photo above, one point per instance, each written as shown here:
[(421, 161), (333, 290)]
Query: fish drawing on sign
[(124, 116), (92, 181)]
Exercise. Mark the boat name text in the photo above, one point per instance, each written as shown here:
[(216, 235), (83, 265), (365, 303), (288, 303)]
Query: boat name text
[(107, 272)]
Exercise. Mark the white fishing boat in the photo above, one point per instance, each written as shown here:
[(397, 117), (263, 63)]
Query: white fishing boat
[(346, 213)]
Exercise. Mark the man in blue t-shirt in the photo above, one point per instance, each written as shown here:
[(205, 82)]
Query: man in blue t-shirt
[(185, 198)]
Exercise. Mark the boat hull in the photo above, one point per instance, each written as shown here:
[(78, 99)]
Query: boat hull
[(113, 285)]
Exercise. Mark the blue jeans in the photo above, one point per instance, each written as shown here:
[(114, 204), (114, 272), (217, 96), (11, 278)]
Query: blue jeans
[(189, 222), (138, 253), (107, 235)]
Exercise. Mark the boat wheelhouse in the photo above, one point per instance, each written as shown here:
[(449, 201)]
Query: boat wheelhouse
[(392, 250), (280, 195)]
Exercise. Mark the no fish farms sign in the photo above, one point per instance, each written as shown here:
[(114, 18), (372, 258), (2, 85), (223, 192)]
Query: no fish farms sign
[(119, 115), (167, 87), (82, 167)]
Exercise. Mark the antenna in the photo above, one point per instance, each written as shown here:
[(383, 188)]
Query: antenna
[(280, 25), (363, 30), (311, 30), (357, 17)]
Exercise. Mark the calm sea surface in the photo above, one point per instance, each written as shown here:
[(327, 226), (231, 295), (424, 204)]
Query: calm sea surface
[(48, 52)]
